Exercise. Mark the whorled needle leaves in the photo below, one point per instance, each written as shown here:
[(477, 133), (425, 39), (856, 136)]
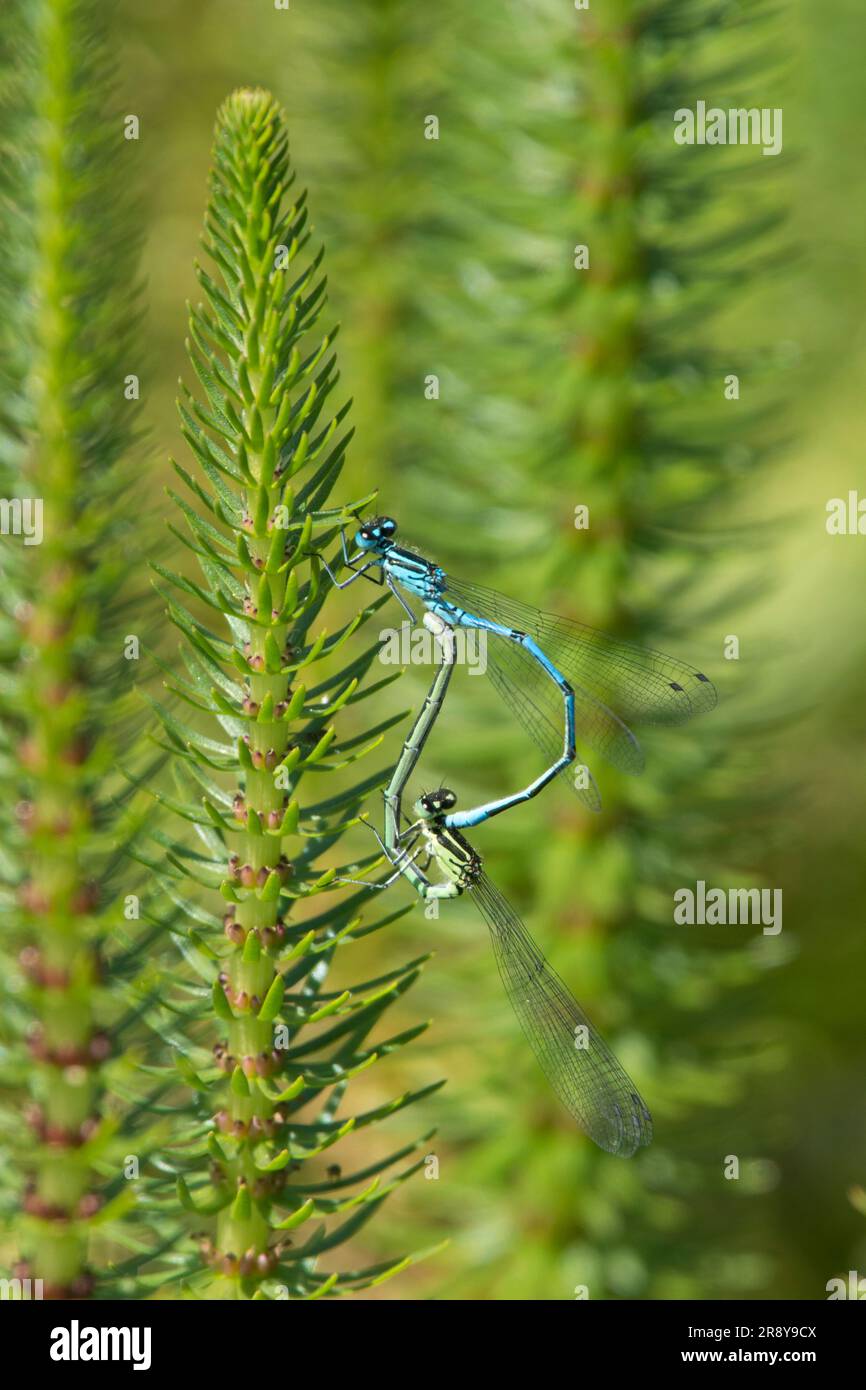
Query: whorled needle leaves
[(264, 1092)]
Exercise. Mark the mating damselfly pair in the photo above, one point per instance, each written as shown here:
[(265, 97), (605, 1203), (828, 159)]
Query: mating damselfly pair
[(563, 680)]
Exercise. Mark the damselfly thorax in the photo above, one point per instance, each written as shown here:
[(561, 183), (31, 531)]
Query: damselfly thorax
[(416, 574), (453, 855)]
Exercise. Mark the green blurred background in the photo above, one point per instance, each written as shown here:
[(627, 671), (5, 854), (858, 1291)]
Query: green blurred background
[(453, 257)]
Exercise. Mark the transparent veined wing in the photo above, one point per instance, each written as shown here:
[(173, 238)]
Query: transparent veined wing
[(576, 1060), (526, 686), (641, 685)]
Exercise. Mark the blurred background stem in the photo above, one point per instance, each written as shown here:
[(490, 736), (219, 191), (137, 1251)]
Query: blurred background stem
[(68, 409)]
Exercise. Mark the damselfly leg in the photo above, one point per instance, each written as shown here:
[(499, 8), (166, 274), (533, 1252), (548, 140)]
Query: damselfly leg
[(399, 860)]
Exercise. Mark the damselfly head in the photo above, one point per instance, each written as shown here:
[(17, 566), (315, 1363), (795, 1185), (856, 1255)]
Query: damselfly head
[(375, 533), (433, 804)]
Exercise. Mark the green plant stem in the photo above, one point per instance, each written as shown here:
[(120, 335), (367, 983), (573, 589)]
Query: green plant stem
[(268, 374), (68, 425)]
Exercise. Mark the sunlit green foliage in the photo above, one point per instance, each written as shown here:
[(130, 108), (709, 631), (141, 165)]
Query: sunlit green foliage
[(455, 257), (267, 1045)]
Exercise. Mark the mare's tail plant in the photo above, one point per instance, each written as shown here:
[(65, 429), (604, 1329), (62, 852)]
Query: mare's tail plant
[(269, 1047), (69, 306)]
